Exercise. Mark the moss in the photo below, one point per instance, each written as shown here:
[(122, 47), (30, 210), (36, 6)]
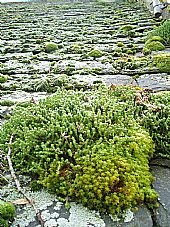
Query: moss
[(3, 223), (75, 49), (162, 62), (155, 38), (126, 28), (7, 211), (3, 78), (95, 54), (50, 47), (157, 121), (146, 51), (155, 46), (129, 51), (120, 44)]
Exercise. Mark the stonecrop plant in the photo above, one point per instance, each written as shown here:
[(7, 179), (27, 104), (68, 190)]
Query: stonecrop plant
[(85, 146)]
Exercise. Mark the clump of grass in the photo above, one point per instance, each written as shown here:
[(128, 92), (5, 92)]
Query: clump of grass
[(162, 31)]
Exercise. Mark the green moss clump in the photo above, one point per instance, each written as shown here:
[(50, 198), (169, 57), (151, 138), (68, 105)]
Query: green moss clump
[(51, 84), (95, 54), (159, 123), (126, 28), (76, 49), (7, 212), (3, 78), (162, 62), (146, 51), (84, 146), (120, 44), (155, 38), (50, 47), (154, 46)]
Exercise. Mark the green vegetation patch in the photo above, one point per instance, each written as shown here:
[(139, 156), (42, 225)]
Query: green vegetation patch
[(84, 146), (154, 46), (7, 213), (95, 54), (162, 31), (3, 78), (155, 38), (162, 62), (157, 121), (6, 102), (51, 47), (51, 84), (126, 28)]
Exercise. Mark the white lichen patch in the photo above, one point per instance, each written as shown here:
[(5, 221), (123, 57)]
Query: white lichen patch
[(63, 222), (45, 215), (58, 206), (55, 215), (127, 217), (81, 217), (26, 215), (51, 223)]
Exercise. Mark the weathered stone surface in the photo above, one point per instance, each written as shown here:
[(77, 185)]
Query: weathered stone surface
[(118, 79), (141, 218), (55, 214), (162, 186), (157, 82)]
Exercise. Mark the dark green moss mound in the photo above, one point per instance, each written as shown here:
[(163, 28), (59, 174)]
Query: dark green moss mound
[(84, 146), (7, 213), (51, 47), (3, 78)]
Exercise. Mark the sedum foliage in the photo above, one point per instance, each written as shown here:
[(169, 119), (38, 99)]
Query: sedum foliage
[(157, 121), (84, 146)]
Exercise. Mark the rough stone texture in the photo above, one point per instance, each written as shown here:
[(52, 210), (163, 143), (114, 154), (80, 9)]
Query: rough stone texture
[(55, 214), (162, 186), (157, 82), (141, 218)]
